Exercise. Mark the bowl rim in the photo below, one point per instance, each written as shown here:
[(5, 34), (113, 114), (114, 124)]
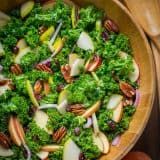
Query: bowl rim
[(153, 84)]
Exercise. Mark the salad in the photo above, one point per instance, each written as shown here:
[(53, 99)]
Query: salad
[(68, 82)]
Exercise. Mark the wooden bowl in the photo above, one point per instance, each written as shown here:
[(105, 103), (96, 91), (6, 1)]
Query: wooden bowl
[(143, 56)]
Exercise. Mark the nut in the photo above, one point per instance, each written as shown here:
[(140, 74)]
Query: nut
[(77, 109), (111, 26), (59, 134), (44, 68), (4, 140), (127, 89), (3, 82), (65, 70), (37, 87), (93, 64), (46, 87), (16, 69)]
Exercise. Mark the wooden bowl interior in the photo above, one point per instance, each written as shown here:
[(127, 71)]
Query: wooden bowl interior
[(142, 54)]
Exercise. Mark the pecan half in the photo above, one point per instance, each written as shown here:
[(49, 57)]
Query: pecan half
[(93, 64), (111, 26), (127, 89), (4, 140), (16, 69), (65, 70), (59, 134), (4, 82), (44, 68), (37, 87), (77, 109), (46, 87)]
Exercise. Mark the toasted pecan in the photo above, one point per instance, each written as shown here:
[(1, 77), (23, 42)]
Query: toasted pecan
[(77, 109), (127, 89), (38, 87), (59, 134), (44, 68), (16, 69), (65, 70), (4, 140)]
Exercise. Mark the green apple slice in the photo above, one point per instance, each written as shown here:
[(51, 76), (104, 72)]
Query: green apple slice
[(42, 155), (72, 58), (57, 46), (20, 54), (5, 152), (95, 124), (21, 44), (76, 67), (114, 100), (117, 113), (133, 76), (62, 96), (31, 93), (85, 42), (47, 34), (26, 8), (1, 50), (71, 151), (41, 119)]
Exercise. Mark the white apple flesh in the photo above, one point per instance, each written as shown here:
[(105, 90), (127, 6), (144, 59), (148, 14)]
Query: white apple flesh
[(76, 67), (72, 58), (85, 42), (95, 124), (5, 152), (21, 44), (114, 100), (98, 141), (71, 151), (42, 155), (41, 119), (117, 113)]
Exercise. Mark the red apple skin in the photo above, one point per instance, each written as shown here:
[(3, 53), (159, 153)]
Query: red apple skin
[(136, 156)]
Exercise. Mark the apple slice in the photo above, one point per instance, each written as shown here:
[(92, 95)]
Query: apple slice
[(117, 113), (72, 58), (62, 102), (74, 16), (3, 23), (98, 141), (57, 46), (105, 141), (5, 152), (20, 54), (71, 150), (4, 16), (85, 42), (92, 109), (133, 76), (51, 148), (114, 100), (76, 67), (42, 155), (41, 119), (21, 44), (47, 34), (26, 8), (95, 124), (31, 93), (16, 131), (123, 55)]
